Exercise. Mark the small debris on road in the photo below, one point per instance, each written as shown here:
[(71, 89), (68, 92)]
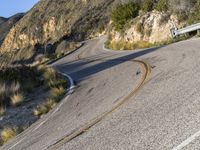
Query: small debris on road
[(138, 72)]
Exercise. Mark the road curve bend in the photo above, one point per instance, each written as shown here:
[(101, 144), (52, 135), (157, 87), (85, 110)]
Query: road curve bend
[(162, 115)]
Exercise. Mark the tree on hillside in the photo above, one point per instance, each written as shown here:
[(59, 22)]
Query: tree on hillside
[(162, 5), (122, 13), (194, 16), (147, 5)]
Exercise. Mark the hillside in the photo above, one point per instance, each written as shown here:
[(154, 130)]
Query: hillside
[(52, 20), (6, 24)]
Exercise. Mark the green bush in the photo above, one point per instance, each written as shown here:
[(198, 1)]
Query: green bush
[(194, 17), (162, 5), (122, 13), (147, 5)]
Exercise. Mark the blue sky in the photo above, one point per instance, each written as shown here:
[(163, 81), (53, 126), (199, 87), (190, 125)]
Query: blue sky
[(11, 7)]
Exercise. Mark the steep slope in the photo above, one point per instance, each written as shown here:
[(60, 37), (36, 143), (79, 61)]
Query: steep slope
[(7, 23), (52, 20)]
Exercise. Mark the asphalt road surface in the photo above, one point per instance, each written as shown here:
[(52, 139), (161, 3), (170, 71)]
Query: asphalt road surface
[(134, 100)]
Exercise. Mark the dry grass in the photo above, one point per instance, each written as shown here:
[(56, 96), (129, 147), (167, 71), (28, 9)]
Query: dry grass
[(52, 78), (44, 107), (57, 93), (56, 83), (13, 82), (12, 87), (49, 74), (55, 96), (7, 134), (124, 45), (17, 99)]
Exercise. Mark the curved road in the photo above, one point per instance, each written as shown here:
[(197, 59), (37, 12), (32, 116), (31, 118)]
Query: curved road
[(145, 99)]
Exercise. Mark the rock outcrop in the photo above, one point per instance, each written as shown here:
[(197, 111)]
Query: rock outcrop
[(152, 27)]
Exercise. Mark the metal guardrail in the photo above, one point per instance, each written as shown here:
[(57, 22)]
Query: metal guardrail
[(175, 32)]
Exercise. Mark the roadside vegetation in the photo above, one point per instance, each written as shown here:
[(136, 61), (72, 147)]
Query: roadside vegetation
[(122, 13), (57, 86), (18, 84), (124, 45)]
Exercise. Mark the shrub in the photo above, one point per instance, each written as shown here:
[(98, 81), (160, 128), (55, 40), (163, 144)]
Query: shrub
[(122, 13), (162, 5), (56, 82), (50, 103), (147, 5), (7, 134), (44, 107), (124, 45), (52, 78), (17, 99), (49, 74), (57, 93), (194, 17), (40, 110)]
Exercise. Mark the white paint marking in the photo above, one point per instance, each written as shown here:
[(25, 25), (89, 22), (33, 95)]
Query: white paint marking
[(187, 141), (70, 91)]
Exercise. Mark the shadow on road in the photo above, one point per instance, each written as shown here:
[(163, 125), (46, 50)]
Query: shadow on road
[(83, 68)]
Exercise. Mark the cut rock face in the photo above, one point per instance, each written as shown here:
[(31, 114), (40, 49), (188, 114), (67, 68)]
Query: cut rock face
[(152, 27)]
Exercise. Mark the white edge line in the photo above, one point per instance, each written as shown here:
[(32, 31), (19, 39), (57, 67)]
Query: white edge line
[(187, 141), (70, 91)]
